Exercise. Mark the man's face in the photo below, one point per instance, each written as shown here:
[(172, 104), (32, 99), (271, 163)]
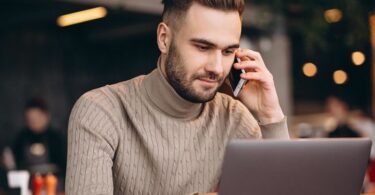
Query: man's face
[(202, 52), (37, 120)]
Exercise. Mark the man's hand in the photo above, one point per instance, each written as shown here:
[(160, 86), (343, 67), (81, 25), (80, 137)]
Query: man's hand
[(259, 94)]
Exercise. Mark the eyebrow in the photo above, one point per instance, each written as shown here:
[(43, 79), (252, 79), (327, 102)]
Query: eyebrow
[(209, 43)]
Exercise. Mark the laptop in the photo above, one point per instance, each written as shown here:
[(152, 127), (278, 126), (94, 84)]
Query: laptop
[(295, 167)]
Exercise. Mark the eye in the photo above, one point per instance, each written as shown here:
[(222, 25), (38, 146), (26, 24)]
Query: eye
[(202, 47), (228, 52)]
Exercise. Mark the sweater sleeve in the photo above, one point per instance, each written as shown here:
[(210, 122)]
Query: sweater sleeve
[(247, 127), (92, 144), (278, 130)]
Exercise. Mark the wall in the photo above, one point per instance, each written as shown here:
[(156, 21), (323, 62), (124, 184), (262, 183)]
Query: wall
[(61, 66)]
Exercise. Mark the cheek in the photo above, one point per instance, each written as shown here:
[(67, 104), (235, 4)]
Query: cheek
[(44, 120), (193, 62), (227, 66)]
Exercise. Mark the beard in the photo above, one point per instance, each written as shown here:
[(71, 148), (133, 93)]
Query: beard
[(177, 76)]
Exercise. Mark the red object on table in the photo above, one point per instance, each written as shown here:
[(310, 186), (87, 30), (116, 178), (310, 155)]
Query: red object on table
[(371, 171), (38, 184)]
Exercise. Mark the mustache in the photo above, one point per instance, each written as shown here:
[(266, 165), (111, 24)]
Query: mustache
[(209, 76)]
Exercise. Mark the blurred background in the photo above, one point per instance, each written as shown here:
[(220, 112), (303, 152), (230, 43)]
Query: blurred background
[(320, 53)]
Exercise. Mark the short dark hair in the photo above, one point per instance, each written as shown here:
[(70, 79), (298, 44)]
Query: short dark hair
[(177, 8), (36, 102)]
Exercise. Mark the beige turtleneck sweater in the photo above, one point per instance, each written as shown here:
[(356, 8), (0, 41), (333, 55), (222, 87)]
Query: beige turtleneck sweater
[(140, 137)]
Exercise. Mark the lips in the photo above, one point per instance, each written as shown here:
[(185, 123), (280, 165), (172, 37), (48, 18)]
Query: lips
[(208, 80), (209, 83)]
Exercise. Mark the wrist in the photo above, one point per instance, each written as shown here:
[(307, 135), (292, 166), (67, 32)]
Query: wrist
[(270, 117)]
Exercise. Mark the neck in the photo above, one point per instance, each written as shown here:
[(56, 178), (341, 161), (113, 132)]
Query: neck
[(161, 64), (163, 96)]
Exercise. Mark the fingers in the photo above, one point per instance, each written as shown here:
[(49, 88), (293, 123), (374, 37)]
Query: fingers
[(257, 76), (248, 66), (247, 54), (252, 63)]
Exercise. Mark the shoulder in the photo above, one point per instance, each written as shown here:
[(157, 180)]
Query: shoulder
[(230, 108), (224, 102), (237, 116), (109, 97), (105, 105), (55, 133), (22, 134), (124, 87)]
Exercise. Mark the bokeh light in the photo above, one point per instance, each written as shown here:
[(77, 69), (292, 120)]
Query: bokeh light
[(310, 69), (358, 58), (340, 77), (333, 15)]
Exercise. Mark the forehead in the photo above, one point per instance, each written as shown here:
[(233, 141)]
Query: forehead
[(220, 27), (34, 111)]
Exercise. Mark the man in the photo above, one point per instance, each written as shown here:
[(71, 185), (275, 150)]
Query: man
[(339, 114), (166, 132), (39, 147)]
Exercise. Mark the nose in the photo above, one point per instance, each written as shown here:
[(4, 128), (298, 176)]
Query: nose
[(215, 64)]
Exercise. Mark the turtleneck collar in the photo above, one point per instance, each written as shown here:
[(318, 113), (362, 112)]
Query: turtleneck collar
[(162, 95)]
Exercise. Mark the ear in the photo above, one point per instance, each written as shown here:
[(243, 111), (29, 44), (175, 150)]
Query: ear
[(164, 37)]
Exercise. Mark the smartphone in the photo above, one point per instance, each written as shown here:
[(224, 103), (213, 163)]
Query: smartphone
[(235, 80)]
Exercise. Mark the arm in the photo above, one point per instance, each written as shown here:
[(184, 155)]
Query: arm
[(91, 149), (277, 130), (259, 95), (247, 127)]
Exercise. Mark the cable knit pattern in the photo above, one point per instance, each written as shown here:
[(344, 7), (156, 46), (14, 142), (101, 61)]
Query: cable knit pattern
[(140, 137)]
